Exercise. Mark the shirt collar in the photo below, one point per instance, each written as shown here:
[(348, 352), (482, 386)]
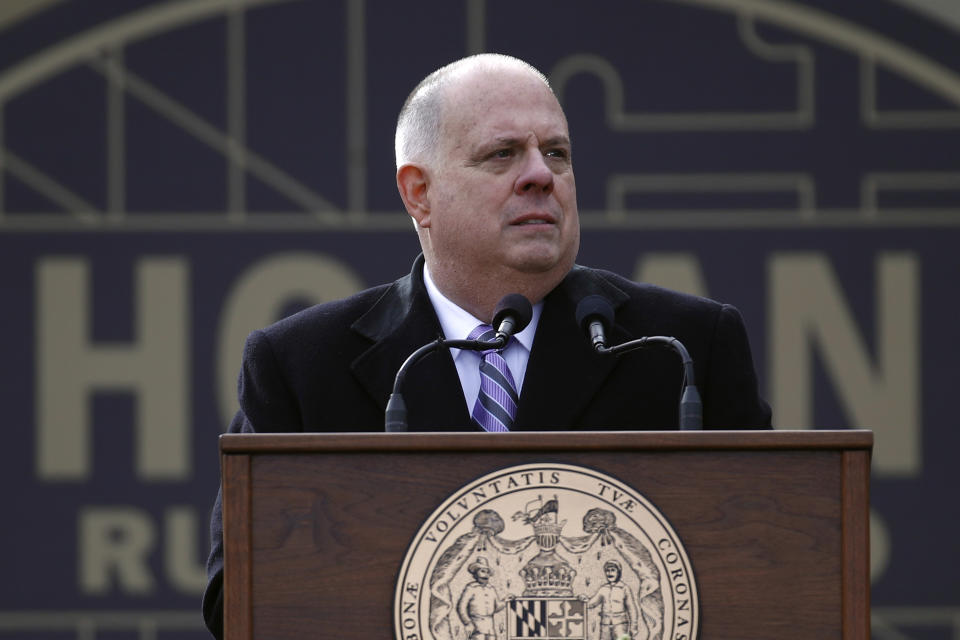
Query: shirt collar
[(458, 323)]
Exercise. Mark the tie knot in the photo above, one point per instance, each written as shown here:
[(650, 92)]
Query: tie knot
[(483, 332), (486, 333), (479, 331)]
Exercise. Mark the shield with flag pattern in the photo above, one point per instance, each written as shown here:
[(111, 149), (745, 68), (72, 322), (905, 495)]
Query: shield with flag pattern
[(547, 619)]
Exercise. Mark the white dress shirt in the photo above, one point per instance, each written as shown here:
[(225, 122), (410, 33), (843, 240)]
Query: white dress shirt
[(457, 325)]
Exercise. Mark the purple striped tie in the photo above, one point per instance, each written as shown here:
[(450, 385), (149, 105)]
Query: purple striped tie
[(496, 405)]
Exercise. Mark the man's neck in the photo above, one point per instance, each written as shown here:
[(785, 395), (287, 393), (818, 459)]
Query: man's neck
[(457, 322), (479, 296)]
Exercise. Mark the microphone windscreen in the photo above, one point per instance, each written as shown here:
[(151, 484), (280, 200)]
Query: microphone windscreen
[(516, 306), (594, 307)]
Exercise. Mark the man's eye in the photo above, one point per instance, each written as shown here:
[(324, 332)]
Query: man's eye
[(503, 153), (557, 153)]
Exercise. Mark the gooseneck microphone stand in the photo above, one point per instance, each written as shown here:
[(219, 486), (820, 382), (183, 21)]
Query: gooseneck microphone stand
[(396, 413), (595, 314), (511, 315), (691, 408)]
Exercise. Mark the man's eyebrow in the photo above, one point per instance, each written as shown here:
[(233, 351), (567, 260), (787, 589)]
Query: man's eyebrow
[(556, 140), (512, 141), (488, 146), (478, 153)]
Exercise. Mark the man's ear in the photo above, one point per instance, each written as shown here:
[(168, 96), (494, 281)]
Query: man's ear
[(412, 181)]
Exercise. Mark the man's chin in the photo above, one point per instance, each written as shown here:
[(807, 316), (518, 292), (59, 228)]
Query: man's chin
[(532, 259)]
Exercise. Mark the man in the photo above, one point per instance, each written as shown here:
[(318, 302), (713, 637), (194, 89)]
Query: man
[(619, 615), (484, 168), (479, 602)]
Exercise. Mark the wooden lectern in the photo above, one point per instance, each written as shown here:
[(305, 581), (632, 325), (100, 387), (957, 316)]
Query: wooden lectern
[(775, 523)]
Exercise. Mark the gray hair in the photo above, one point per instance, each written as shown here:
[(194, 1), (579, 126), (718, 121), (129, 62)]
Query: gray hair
[(420, 122)]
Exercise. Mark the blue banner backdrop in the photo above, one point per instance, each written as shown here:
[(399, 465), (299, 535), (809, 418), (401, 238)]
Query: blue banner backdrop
[(174, 174)]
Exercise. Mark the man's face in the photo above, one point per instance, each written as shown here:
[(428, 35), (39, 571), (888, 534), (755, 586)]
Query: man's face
[(501, 190), (483, 575), (611, 574)]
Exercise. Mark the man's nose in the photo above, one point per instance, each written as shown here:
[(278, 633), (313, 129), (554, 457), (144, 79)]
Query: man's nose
[(535, 174)]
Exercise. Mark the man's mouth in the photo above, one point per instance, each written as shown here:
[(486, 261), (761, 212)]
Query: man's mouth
[(533, 219)]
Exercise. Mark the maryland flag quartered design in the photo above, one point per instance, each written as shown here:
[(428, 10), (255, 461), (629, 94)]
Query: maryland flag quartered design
[(547, 619)]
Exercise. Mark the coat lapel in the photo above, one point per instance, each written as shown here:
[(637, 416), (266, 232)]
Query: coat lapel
[(564, 371), (402, 321)]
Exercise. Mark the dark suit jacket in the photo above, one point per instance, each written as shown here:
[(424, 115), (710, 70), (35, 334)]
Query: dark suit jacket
[(331, 368)]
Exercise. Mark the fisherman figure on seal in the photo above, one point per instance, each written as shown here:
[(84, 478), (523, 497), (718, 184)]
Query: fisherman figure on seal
[(618, 607)]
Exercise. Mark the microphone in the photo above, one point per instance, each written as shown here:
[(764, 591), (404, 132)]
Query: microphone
[(594, 314), (511, 316)]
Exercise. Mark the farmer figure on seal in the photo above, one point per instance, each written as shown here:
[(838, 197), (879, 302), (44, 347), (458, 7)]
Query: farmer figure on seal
[(479, 601)]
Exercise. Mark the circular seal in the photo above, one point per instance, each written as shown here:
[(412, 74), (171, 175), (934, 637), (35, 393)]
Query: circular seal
[(548, 551)]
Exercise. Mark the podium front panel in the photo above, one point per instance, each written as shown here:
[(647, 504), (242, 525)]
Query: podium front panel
[(775, 523)]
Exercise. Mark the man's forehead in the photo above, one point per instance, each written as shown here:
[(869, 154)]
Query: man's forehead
[(494, 71), (506, 109), (490, 84)]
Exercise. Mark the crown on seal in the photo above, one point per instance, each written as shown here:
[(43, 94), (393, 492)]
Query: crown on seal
[(547, 574)]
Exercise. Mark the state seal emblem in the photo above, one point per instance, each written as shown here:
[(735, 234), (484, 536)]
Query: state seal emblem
[(549, 551)]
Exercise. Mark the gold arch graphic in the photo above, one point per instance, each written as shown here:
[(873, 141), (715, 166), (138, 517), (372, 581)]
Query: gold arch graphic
[(844, 34), (619, 119), (101, 48), (874, 50), (85, 46), (14, 11)]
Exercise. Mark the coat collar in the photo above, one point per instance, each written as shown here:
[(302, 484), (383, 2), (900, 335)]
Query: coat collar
[(399, 323), (563, 373)]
